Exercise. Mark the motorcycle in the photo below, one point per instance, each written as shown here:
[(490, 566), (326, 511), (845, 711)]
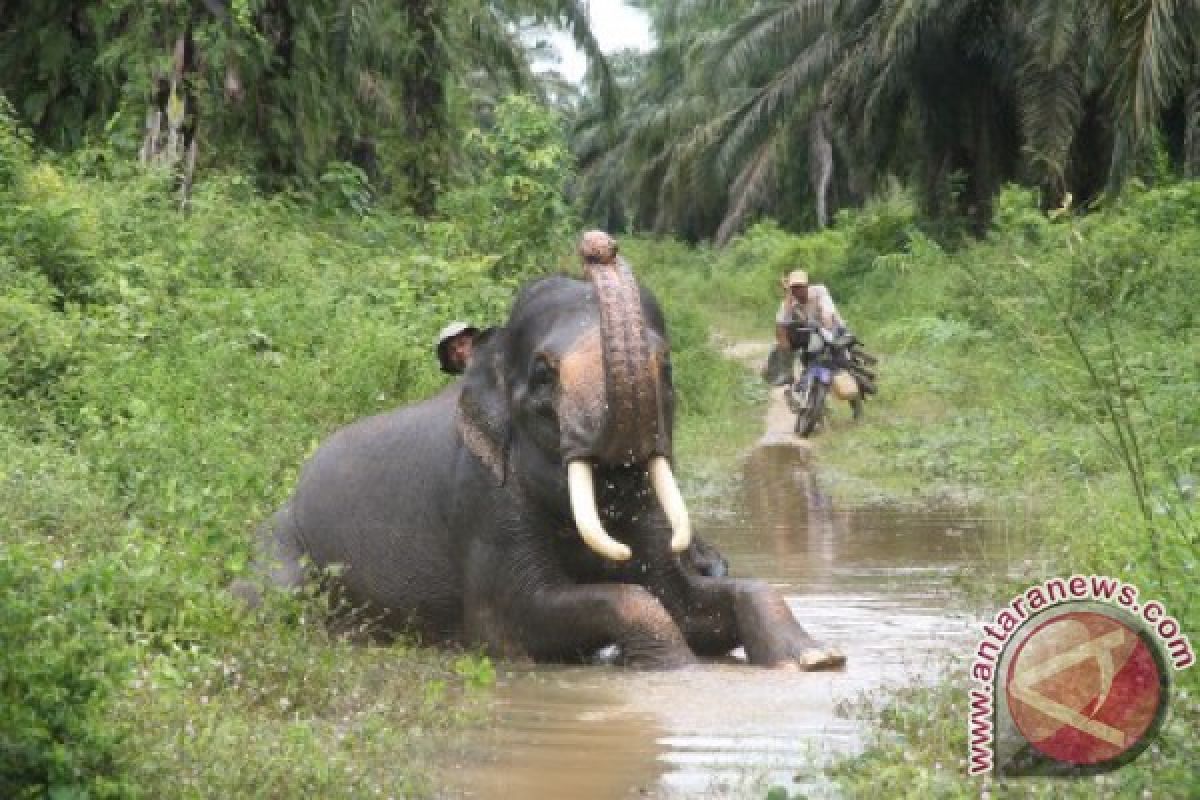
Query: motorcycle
[(834, 362)]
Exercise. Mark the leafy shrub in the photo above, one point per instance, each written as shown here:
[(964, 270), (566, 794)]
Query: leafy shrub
[(48, 233), (59, 662), (516, 211), (36, 346), (345, 187), (61, 657), (884, 226), (14, 146)]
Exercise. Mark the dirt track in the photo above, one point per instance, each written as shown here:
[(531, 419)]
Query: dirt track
[(779, 421)]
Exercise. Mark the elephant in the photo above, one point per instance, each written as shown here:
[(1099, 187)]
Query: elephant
[(530, 508)]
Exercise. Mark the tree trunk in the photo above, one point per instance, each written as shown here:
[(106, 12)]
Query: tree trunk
[(820, 162), (982, 180), (1191, 135), (168, 141), (425, 105)]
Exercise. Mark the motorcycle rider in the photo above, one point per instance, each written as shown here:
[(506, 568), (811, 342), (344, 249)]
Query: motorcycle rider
[(805, 305)]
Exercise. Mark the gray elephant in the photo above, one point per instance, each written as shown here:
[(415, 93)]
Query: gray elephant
[(530, 508)]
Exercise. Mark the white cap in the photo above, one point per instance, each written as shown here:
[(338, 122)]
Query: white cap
[(452, 330)]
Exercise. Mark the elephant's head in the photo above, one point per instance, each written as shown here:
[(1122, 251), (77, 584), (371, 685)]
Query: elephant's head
[(573, 398)]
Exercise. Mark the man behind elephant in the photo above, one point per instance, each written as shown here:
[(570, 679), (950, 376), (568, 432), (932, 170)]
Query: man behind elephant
[(454, 346)]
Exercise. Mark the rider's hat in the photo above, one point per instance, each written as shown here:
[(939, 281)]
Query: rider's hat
[(797, 277)]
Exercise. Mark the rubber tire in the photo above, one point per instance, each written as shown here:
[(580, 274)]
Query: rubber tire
[(810, 416), (856, 408)]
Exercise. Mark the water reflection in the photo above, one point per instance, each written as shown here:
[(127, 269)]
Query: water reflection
[(781, 498), (879, 583)]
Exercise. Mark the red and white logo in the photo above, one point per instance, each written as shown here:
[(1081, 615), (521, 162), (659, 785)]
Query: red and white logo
[(1084, 688)]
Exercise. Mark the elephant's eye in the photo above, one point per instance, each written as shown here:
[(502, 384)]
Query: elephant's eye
[(542, 374)]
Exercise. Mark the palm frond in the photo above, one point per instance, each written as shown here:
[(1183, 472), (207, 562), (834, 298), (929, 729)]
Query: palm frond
[(773, 31), (753, 186), (1050, 104), (1053, 30), (783, 97), (574, 18), (498, 49), (1158, 40)]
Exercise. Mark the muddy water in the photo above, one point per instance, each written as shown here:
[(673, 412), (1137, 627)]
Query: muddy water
[(881, 584)]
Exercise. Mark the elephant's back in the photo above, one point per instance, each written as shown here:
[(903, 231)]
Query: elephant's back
[(372, 499)]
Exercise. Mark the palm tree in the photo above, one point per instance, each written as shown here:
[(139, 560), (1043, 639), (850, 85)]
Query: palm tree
[(296, 84), (1156, 47), (642, 171), (492, 42), (957, 96)]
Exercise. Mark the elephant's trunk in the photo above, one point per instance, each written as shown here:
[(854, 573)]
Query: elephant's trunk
[(635, 423), (634, 419)]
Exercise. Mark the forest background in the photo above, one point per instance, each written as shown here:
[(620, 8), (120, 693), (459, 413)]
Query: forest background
[(229, 226)]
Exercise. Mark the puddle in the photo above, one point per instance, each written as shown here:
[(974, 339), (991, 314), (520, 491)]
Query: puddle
[(880, 584)]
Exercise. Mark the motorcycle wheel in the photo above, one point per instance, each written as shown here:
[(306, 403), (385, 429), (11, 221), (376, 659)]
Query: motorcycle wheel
[(810, 416), (856, 408)]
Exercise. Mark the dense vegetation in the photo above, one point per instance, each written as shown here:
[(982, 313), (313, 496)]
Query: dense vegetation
[(786, 108), (287, 89)]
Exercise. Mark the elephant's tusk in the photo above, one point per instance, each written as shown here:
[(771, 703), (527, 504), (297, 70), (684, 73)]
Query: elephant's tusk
[(587, 520), (672, 503)]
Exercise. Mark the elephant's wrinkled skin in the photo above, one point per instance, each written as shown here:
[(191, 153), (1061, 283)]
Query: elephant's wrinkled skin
[(452, 517)]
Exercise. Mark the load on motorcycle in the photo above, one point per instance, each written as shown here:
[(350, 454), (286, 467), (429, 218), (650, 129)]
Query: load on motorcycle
[(810, 331), (833, 362)]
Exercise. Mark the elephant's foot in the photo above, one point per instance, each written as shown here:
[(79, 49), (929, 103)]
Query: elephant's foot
[(815, 658), (789, 647), (773, 638)]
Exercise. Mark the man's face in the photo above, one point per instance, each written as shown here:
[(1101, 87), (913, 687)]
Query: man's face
[(799, 292), (458, 350)]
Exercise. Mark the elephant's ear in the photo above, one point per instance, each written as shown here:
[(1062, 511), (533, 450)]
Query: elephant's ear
[(483, 415)]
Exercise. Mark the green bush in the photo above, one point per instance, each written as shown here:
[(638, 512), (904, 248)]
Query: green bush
[(36, 346), (62, 656), (516, 211), (59, 663)]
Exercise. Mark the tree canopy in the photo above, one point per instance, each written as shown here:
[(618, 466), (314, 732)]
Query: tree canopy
[(790, 109), (279, 86), (748, 106)]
